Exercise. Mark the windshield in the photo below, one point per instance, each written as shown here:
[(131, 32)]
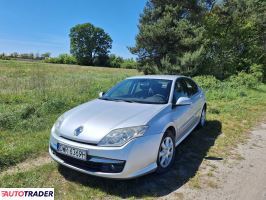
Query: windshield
[(153, 91)]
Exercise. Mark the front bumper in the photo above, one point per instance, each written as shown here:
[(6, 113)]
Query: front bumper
[(136, 158)]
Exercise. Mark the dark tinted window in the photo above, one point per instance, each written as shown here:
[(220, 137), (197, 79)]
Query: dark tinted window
[(180, 90), (191, 87)]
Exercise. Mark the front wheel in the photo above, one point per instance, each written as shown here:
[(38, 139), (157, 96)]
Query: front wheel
[(202, 121), (166, 154)]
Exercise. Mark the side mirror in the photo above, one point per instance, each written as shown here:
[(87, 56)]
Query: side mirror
[(101, 94), (182, 101)]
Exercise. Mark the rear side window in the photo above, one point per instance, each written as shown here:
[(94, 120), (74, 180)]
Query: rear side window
[(191, 87)]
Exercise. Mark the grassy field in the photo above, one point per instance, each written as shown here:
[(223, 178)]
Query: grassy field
[(33, 95)]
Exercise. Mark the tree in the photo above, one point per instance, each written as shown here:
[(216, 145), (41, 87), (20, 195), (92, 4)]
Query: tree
[(170, 38), (237, 37), (46, 55), (220, 38), (61, 59), (88, 43), (115, 61), (14, 55)]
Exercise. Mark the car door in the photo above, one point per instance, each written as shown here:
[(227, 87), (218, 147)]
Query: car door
[(195, 94), (181, 114)]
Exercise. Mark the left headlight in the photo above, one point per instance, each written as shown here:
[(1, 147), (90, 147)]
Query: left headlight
[(58, 124), (119, 137)]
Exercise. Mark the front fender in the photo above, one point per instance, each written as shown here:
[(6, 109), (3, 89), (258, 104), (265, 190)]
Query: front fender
[(160, 122)]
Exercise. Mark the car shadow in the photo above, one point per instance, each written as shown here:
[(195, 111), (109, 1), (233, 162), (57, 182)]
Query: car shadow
[(189, 155)]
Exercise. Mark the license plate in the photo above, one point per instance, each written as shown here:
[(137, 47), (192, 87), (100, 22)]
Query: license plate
[(71, 151)]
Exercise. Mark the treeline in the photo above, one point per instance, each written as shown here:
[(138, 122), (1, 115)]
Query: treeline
[(206, 37), (30, 56), (110, 61)]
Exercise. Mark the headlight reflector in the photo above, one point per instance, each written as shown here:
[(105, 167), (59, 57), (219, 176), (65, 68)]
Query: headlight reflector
[(119, 137)]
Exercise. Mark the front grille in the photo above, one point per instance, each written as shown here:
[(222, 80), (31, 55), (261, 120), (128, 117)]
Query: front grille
[(89, 165), (66, 138)]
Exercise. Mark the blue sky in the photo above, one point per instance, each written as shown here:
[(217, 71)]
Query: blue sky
[(43, 25)]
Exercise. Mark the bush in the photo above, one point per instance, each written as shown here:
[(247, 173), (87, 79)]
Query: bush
[(129, 64), (258, 71), (119, 62), (208, 82), (232, 88), (51, 60), (242, 80), (62, 59), (115, 61), (67, 59)]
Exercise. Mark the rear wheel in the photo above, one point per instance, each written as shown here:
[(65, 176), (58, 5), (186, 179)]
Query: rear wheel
[(166, 153)]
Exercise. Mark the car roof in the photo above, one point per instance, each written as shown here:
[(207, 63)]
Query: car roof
[(165, 77)]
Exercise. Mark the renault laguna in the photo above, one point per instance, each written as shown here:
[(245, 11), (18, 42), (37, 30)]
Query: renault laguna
[(130, 130)]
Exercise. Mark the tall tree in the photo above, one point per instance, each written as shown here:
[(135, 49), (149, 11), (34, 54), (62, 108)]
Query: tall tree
[(88, 43), (237, 36), (170, 38)]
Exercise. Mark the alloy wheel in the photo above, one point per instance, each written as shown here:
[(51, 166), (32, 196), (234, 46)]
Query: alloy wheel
[(166, 152)]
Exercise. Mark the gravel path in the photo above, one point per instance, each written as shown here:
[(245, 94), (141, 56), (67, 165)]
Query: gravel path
[(244, 179)]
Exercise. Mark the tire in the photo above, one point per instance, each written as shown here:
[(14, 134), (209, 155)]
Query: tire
[(202, 121), (166, 151)]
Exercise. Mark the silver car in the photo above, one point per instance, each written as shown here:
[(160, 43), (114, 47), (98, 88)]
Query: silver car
[(130, 130)]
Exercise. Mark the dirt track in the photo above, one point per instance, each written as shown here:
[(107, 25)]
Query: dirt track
[(243, 180)]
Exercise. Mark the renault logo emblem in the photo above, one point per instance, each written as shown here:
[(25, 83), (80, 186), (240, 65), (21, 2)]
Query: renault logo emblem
[(78, 131)]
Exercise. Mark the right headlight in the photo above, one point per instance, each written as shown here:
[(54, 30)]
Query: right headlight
[(58, 124), (119, 137)]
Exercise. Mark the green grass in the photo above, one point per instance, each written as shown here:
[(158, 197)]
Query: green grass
[(237, 113), (48, 176), (33, 95), (69, 187)]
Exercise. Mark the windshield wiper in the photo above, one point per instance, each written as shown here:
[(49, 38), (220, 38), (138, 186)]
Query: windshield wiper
[(107, 99), (123, 100), (118, 100), (130, 101)]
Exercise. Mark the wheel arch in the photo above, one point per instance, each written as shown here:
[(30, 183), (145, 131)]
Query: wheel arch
[(205, 106), (172, 129)]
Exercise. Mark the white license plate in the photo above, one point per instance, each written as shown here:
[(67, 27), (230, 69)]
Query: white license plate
[(71, 151)]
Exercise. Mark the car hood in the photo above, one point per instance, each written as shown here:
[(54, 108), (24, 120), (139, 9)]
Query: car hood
[(99, 117)]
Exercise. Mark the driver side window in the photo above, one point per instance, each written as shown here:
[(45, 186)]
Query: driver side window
[(190, 86), (179, 90)]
